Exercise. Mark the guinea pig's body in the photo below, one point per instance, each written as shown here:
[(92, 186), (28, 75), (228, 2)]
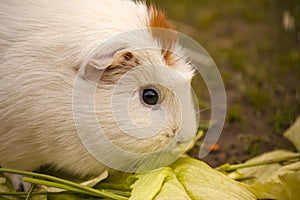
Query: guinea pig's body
[(43, 44)]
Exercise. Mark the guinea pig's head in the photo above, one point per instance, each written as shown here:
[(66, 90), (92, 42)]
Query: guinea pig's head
[(143, 99)]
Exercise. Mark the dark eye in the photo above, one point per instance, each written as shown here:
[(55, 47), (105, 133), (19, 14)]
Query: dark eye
[(150, 96)]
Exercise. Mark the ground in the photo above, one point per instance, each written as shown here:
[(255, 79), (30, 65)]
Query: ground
[(256, 46)]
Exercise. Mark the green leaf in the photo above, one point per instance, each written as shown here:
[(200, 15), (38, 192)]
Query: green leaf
[(63, 184), (117, 181), (172, 189), (65, 197), (189, 179), (268, 190), (293, 134), (285, 187), (273, 181), (262, 173), (202, 182), (290, 183), (94, 181), (149, 184), (5, 186)]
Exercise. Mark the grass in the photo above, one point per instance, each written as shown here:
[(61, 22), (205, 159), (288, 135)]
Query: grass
[(234, 114), (257, 97)]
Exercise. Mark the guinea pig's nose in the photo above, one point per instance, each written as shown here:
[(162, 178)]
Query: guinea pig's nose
[(175, 130), (169, 135)]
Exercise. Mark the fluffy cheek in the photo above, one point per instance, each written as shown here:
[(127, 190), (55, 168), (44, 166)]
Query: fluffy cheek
[(132, 126), (139, 114)]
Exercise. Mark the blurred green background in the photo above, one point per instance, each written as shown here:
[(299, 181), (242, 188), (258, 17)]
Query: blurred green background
[(256, 46)]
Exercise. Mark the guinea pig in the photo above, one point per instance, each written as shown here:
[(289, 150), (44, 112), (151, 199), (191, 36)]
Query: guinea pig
[(48, 47)]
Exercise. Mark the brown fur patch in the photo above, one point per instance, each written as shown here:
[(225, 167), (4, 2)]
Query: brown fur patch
[(119, 67), (164, 34), (158, 18)]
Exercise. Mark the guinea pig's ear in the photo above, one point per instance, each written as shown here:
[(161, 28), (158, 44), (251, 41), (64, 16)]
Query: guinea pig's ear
[(109, 68), (95, 68)]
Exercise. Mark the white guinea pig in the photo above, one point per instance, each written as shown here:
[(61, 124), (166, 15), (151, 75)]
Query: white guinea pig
[(48, 46)]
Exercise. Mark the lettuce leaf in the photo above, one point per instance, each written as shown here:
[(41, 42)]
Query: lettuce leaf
[(273, 181), (148, 184), (203, 182), (172, 189)]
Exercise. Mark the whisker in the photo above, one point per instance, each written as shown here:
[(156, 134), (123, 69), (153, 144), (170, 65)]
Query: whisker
[(204, 109), (210, 107)]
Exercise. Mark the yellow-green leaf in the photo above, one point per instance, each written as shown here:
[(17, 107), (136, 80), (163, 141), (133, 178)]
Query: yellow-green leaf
[(293, 134), (172, 189), (149, 184), (274, 181), (203, 182)]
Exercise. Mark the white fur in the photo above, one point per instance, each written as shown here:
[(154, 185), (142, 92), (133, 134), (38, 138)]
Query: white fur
[(42, 45)]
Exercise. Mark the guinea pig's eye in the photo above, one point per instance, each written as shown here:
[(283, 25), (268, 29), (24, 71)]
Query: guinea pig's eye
[(150, 96)]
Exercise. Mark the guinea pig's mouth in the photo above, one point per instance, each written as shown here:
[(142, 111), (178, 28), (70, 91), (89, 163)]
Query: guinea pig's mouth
[(171, 142), (169, 135), (162, 142), (147, 145)]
